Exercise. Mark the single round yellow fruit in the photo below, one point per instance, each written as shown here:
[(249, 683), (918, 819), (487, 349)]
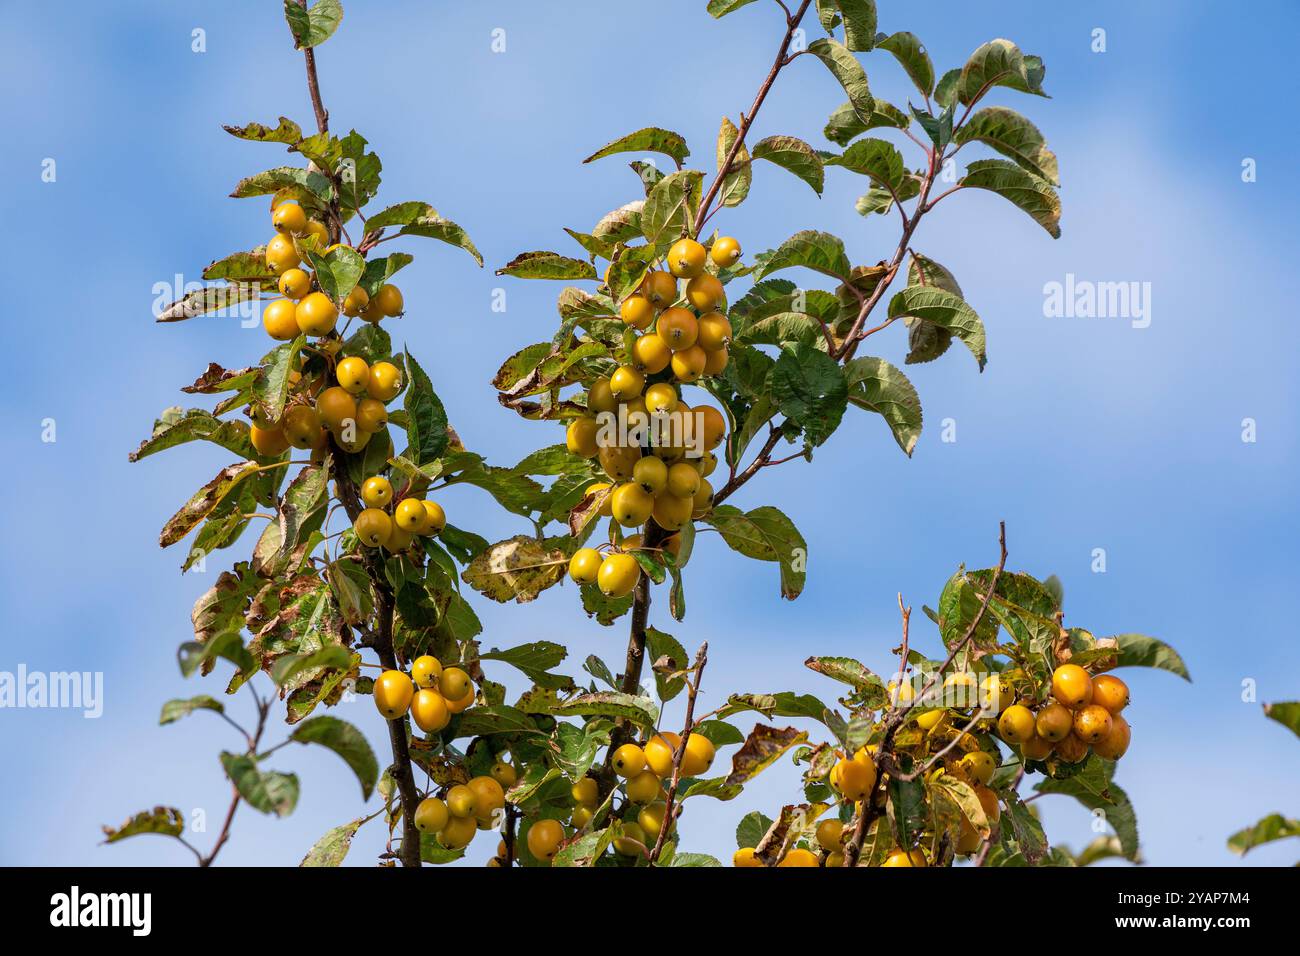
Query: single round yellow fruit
[(618, 575), (584, 566), (672, 513), (1016, 725), (715, 362), (316, 314), (1110, 692), (626, 383), (377, 491), (580, 437), (504, 774), (900, 693), (393, 693), (280, 254), (706, 294), (1072, 686), (289, 219), (979, 766), (799, 857), (294, 284), (678, 328), (714, 332), (930, 719), (435, 519), (1036, 748), (425, 671), (372, 527), (356, 302), (659, 753), (995, 695), (581, 816), (458, 833), (633, 838), (699, 755), (462, 801), (1115, 744), (280, 320), (595, 489), (1092, 723), (353, 375), (651, 474), (457, 706), (686, 258), (385, 381), (1054, 722), (989, 801), (454, 684), (644, 788), (429, 711), (488, 797), (660, 288), (268, 442), (301, 427), (586, 792), (336, 408), (688, 364), (631, 504), (744, 857), (828, 834), (712, 426), (372, 313), (702, 503), (637, 311), (599, 397), (901, 857), (853, 779), (431, 815), (1071, 749), (371, 415), (650, 354), (661, 399), (629, 760), (618, 464), (398, 540), (389, 300), (683, 480), (725, 252), (409, 515)]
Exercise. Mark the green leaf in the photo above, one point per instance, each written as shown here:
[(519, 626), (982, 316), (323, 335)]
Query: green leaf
[(640, 710), (346, 741), (720, 8), (671, 207), (210, 299), (810, 389), (547, 265), (752, 828), (1139, 650), (164, 821), (845, 125), (765, 534), (421, 219), (1014, 136), (999, 63), (1029, 193), (1093, 787), (795, 156), (878, 159), (782, 704), (660, 645), (535, 660), (291, 666), (909, 52), (1270, 828), (877, 386), (651, 139), (846, 68), (332, 848), (267, 792), (204, 501), (196, 424), (943, 309), (271, 181), (848, 671), (517, 569), (192, 655), (693, 859), (1024, 826), (271, 387), (241, 267), (174, 710), (859, 24), (736, 183), (819, 251), (337, 271), (1287, 714), (426, 426), (287, 132), (313, 26)]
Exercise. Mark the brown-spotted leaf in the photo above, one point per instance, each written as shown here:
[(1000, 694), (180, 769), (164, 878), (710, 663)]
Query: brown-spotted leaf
[(761, 749), (517, 569)]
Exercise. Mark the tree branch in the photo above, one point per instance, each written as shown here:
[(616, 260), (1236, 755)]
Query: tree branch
[(671, 809)]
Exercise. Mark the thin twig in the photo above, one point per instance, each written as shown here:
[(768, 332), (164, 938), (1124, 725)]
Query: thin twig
[(672, 809)]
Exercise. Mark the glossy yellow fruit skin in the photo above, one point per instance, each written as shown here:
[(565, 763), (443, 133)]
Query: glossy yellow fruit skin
[(279, 318), (651, 474), (899, 857), (356, 302), (393, 694), (626, 383), (488, 797), (385, 381), (268, 442), (989, 801), (1072, 686), (688, 364), (1071, 749), (1110, 692), (1036, 748), (930, 719), (336, 407), (715, 332), (799, 857), (705, 293), (317, 229), (425, 671), (389, 300), (660, 288), (1092, 723), (631, 504), (1016, 724), (409, 515), (462, 801), (651, 354), (968, 838), (377, 491), (372, 313), (586, 792), (672, 513), (853, 779), (683, 480), (702, 503), (829, 833), (316, 314), (294, 284), (661, 399), (600, 398), (1054, 722), (580, 437), (633, 838), (629, 761), (457, 706), (686, 258), (699, 755), (584, 566), (725, 252), (637, 311), (678, 328), (353, 375), (454, 684), (995, 696), (744, 857), (435, 519), (979, 766), (504, 774), (398, 540), (372, 527), (280, 254), (458, 833), (544, 839), (431, 815), (651, 819), (644, 787), (289, 219), (618, 464), (429, 711), (659, 753), (581, 816), (301, 427), (1115, 744)]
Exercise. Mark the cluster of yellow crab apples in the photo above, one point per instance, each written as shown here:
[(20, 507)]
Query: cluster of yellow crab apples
[(394, 525), (656, 449), (355, 408), (1082, 715)]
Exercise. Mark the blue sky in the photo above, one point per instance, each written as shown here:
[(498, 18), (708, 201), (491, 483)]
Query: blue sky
[(1081, 433)]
